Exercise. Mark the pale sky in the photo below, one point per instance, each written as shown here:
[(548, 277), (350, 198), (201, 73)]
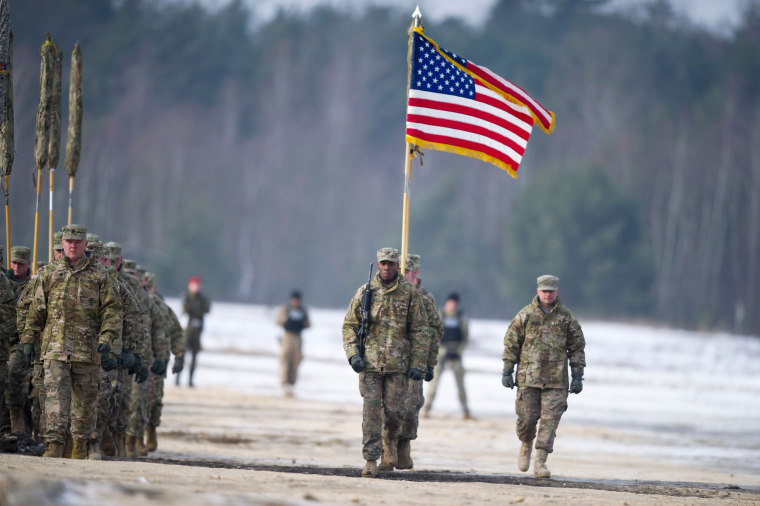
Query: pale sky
[(718, 15)]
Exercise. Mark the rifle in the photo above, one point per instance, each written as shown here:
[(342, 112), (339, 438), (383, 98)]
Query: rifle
[(366, 304)]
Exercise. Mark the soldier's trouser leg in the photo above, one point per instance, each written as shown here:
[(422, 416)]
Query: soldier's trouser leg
[(3, 388), (115, 401), (458, 368), (17, 392), (547, 405), (414, 401), (433, 385), (138, 409), (103, 406), (125, 397), (290, 359), (193, 356), (71, 392), (155, 402), (38, 399), (383, 410)]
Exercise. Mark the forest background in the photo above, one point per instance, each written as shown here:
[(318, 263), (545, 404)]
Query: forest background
[(269, 156)]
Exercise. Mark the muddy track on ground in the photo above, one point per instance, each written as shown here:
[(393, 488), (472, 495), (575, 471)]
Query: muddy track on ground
[(665, 488)]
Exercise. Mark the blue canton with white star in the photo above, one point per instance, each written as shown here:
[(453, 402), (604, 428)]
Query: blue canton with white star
[(432, 72)]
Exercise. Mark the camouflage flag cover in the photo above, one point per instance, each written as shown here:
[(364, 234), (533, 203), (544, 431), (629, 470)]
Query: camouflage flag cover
[(74, 136), (5, 33), (54, 143), (42, 134), (6, 129)]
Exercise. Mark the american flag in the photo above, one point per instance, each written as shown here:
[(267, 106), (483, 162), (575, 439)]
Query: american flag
[(456, 106)]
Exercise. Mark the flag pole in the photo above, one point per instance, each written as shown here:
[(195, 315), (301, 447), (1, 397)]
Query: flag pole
[(409, 149)]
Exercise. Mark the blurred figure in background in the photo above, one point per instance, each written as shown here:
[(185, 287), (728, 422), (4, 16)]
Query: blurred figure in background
[(293, 317), (542, 338), (453, 343), (195, 305)]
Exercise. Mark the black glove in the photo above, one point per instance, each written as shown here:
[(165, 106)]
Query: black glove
[(507, 380), (141, 375), (357, 363), (127, 359), (107, 363), (430, 373), (415, 374), (102, 348), (179, 364), (135, 368), (576, 386), (158, 367), (27, 349)]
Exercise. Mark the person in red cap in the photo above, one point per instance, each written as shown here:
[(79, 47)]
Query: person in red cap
[(195, 305)]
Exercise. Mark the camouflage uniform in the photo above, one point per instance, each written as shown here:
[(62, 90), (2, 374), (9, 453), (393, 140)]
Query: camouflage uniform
[(195, 305), (174, 337), (541, 343), (416, 399), (7, 331), (453, 341), (74, 308), (19, 374), (293, 320), (397, 340)]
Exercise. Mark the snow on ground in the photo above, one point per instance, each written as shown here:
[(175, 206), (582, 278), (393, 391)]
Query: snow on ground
[(681, 395)]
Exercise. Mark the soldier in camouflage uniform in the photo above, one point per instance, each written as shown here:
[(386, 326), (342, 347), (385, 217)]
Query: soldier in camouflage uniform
[(453, 342), (78, 312), (142, 351), (540, 340), (19, 377), (293, 318), (195, 304), (415, 398), (175, 337), (7, 330), (396, 350), (156, 354)]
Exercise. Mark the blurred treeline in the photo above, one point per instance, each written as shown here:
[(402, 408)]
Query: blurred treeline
[(271, 158)]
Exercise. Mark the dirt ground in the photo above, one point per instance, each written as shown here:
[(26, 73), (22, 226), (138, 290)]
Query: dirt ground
[(223, 447)]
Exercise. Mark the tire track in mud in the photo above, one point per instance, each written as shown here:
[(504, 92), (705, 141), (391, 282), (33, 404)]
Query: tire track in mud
[(665, 488)]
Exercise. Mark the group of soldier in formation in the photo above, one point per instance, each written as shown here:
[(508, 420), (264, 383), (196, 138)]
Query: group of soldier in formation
[(86, 341), (85, 345), (405, 340)]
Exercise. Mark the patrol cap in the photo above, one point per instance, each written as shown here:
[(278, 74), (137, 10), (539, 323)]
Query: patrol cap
[(547, 282), (412, 262), (141, 271), (387, 254), (74, 233), (453, 296), (57, 240), (20, 254), (93, 242), (295, 294), (96, 249), (92, 237), (112, 250), (150, 279), (129, 265)]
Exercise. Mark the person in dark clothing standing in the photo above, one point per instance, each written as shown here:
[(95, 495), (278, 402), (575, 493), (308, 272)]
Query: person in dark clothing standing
[(195, 305), (453, 343), (293, 317)]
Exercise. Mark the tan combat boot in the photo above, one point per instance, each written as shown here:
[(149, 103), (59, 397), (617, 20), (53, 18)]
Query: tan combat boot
[(151, 442), (140, 446), (130, 444), (118, 440), (18, 424), (79, 451), (53, 449), (93, 451), (539, 465), (390, 456), (404, 454), (523, 461), (370, 469)]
